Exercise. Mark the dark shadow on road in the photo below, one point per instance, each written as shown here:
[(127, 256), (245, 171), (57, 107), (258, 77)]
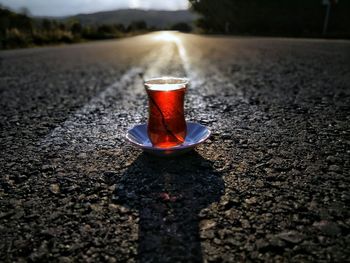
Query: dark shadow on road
[(168, 195)]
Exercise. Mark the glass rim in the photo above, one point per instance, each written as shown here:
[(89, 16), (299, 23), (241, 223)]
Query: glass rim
[(166, 83)]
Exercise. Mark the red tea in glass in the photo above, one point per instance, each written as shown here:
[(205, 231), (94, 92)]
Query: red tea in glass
[(166, 123)]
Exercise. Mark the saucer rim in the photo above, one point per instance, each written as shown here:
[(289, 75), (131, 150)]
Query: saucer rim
[(174, 148)]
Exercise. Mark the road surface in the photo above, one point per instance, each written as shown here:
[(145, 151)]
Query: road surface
[(271, 184)]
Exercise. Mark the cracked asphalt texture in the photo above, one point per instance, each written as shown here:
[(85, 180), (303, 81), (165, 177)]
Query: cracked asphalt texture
[(270, 185)]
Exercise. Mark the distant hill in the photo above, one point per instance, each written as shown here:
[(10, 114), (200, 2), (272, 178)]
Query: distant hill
[(156, 18)]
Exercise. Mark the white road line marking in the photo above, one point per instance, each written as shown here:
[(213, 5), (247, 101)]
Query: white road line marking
[(79, 121), (191, 74)]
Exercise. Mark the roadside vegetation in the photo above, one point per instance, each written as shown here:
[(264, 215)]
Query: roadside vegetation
[(20, 30), (295, 18)]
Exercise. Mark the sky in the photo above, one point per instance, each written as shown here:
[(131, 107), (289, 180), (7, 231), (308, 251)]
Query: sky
[(72, 7)]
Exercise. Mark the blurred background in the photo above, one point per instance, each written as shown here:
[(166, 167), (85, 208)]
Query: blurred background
[(39, 22)]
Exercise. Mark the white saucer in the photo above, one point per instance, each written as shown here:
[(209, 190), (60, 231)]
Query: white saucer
[(196, 134)]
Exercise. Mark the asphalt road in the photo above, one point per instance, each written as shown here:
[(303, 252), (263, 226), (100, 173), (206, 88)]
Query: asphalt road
[(271, 184)]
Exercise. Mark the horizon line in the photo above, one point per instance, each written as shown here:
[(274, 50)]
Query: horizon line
[(19, 11)]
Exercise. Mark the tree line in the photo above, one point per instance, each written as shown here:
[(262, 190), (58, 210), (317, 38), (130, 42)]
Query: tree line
[(273, 17)]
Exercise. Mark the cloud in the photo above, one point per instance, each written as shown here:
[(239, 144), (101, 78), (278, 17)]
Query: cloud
[(71, 7)]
